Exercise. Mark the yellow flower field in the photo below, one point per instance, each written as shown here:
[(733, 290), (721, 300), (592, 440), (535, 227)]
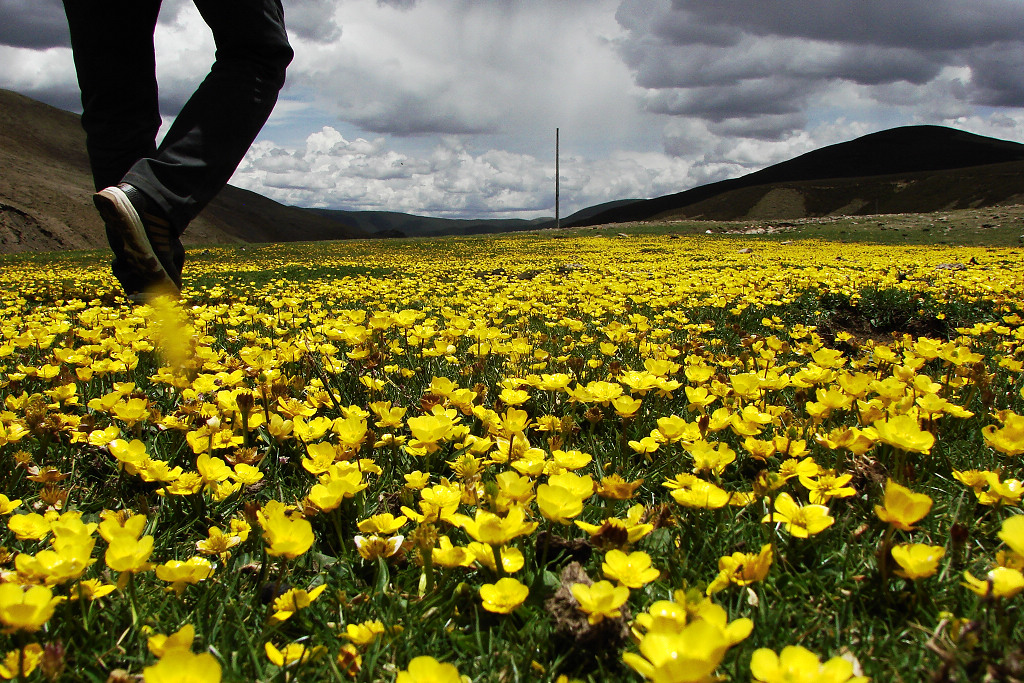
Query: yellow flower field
[(529, 457)]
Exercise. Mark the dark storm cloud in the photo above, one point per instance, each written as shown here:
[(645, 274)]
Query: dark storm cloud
[(922, 24), (751, 98), (313, 20), (408, 113), (33, 23), (730, 60), (768, 127), (998, 74)]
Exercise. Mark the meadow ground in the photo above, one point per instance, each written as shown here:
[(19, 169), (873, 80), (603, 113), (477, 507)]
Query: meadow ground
[(526, 457)]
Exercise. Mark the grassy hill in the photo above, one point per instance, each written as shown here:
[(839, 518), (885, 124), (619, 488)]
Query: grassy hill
[(46, 188), (906, 169)]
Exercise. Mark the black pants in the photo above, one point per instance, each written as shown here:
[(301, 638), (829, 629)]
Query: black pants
[(112, 42)]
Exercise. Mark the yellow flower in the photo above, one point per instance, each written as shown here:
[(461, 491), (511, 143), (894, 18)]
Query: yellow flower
[(127, 554), (742, 569), (626, 406), (218, 543), (600, 600), (385, 523), (503, 596), (180, 574), (1006, 492), (328, 495), (610, 533), (711, 457), (633, 570), (286, 536), (31, 526), (212, 469), (796, 664), (349, 660), (512, 559), (426, 669), (515, 487), (449, 556), (489, 528), (390, 418), (1001, 582), (673, 428), (293, 600), (1012, 533), (373, 547), (1009, 439), (826, 486), (293, 653), (691, 653), (645, 446), (67, 562), (21, 663), (917, 560), (699, 493), (580, 486), (121, 523), (182, 666), (558, 504), (428, 430), (364, 633), (904, 432), (902, 507), (614, 487), (416, 480), (160, 645), (800, 520), (91, 589), (7, 506), (26, 610)]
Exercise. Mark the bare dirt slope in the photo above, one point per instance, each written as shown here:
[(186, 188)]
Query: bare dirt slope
[(46, 188)]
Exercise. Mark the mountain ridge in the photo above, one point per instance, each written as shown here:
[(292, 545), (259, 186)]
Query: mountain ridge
[(902, 151)]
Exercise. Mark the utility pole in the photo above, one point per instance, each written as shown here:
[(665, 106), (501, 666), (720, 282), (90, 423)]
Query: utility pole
[(557, 220)]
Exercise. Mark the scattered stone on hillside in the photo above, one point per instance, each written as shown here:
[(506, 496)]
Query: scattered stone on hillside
[(760, 229), (951, 266), (622, 234), (746, 250), (569, 267)]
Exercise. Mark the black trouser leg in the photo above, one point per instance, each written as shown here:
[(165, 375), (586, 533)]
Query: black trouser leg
[(112, 41), (214, 130)]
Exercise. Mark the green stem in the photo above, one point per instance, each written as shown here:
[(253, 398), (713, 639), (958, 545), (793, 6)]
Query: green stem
[(428, 567), (499, 569)]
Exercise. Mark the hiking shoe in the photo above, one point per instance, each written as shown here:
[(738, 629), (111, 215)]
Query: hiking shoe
[(149, 241)]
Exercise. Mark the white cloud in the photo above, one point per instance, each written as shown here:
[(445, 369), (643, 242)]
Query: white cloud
[(450, 179)]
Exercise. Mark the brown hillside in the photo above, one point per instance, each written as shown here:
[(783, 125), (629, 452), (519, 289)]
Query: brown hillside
[(917, 169), (925, 192), (46, 188)]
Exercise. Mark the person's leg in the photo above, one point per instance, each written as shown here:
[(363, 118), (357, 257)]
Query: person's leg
[(214, 130), (112, 41)]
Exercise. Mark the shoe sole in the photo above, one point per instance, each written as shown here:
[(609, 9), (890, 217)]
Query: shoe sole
[(120, 215)]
